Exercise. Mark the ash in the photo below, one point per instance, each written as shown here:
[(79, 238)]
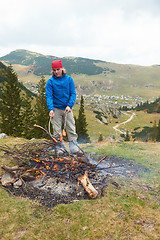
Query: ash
[(50, 190)]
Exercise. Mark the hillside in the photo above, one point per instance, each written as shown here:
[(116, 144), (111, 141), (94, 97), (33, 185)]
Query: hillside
[(3, 78), (91, 76), (41, 64)]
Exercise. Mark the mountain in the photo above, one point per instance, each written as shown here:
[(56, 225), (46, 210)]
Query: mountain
[(3, 78), (41, 64), (90, 76)]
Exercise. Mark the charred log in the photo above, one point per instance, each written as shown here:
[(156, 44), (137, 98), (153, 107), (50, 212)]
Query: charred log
[(84, 180)]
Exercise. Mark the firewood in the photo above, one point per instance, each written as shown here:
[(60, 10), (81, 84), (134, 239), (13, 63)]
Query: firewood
[(26, 176), (12, 169), (54, 140), (84, 180), (17, 184), (100, 161)]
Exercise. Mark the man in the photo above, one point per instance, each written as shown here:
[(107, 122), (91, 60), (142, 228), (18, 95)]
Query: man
[(61, 96)]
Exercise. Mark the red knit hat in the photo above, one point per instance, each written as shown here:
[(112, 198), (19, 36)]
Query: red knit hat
[(57, 64)]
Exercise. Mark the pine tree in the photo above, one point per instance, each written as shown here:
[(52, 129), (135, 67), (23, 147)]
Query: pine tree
[(158, 110), (100, 139), (154, 131), (10, 106), (158, 132), (81, 124), (28, 118), (127, 137), (41, 110)]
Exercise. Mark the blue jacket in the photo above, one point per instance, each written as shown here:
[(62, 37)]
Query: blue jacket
[(60, 92)]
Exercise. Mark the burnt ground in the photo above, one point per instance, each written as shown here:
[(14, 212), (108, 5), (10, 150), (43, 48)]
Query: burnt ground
[(50, 191)]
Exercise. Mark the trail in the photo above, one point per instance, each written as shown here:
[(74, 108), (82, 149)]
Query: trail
[(128, 120)]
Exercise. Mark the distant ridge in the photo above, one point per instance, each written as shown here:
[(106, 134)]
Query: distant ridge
[(41, 64), (91, 76)]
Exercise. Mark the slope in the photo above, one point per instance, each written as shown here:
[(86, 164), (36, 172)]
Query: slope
[(91, 76), (3, 78)]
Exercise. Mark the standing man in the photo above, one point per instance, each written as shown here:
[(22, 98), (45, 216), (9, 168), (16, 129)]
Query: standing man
[(61, 96)]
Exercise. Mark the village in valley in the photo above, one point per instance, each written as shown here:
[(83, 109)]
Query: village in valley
[(114, 101)]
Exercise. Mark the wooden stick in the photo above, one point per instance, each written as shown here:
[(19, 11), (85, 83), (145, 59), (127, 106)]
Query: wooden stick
[(35, 125), (61, 138), (99, 169), (63, 134), (100, 161), (87, 185), (12, 169)]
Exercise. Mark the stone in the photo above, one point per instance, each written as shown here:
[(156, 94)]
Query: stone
[(3, 135)]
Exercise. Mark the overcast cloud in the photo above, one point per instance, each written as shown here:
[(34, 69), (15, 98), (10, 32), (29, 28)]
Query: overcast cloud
[(120, 31)]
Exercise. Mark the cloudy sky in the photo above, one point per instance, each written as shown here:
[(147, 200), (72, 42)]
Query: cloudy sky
[(120, 31)]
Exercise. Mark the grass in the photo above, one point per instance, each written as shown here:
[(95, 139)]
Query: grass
[(131, 79), (146, 153), (118, 215), (96, 127), (131, 212)]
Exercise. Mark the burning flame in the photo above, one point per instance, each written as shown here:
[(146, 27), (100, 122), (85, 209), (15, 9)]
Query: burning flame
[(50, 165)]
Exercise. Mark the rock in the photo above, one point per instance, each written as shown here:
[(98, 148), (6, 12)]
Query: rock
[(3, 135), (8, 178), (17, 184)]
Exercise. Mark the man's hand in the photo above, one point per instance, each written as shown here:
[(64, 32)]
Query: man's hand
[(68, 109), (51, 113)]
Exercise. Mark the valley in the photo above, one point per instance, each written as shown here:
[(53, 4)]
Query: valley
[(91, 77), (108, 89)]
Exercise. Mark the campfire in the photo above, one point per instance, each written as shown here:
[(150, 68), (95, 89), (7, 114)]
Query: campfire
[(66, 168), (66, 178), (42, 175)]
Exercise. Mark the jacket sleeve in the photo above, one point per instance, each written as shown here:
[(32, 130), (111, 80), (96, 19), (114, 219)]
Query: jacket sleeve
[(72, 97), (49, 95)]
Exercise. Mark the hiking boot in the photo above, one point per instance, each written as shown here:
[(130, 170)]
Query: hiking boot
[(60, 149), (73, 147)]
